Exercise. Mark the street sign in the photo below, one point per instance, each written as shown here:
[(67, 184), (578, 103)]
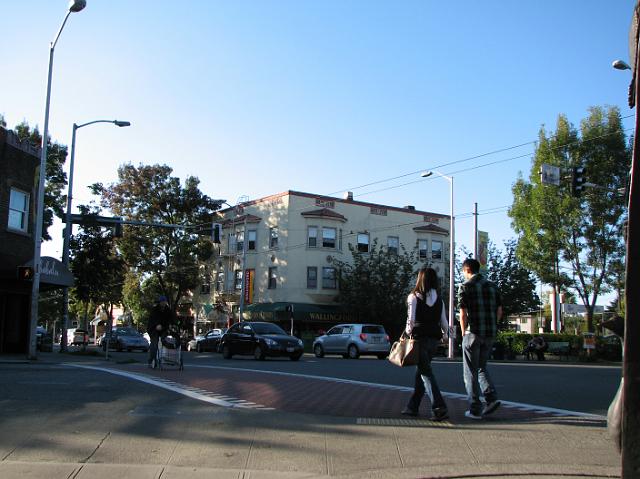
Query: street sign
[(550, 175)]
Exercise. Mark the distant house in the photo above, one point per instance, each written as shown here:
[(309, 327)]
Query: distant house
[(524, 323)]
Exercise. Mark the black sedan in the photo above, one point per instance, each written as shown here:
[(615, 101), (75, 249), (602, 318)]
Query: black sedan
[(126, 338), (208, 342), (260, 340)]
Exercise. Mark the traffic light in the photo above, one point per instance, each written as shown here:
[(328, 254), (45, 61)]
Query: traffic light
[(216, 233), (25, 273), (577, 181)]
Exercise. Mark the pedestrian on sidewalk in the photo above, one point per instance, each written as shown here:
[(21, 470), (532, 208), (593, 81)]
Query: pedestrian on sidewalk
[(160, 320), (426, 322), (480, 307)]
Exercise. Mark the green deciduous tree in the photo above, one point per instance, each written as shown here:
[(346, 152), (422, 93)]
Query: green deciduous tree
[(553, 226), (98, 269), (171, 256), (375, 285)]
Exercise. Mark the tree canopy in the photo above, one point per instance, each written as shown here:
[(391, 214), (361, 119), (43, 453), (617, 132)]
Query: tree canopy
[(170, 255), (584, 231), (375, 285)]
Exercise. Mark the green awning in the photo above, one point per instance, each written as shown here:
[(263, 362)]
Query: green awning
[(207, 308), (301, 312)]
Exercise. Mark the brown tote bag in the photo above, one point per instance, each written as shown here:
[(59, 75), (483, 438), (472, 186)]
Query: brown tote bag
[(404, 352)]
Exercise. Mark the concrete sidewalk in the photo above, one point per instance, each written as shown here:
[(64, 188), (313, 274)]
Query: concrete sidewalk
[(179, 438)]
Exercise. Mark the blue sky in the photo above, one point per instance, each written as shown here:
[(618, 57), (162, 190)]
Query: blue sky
[(257, 97)]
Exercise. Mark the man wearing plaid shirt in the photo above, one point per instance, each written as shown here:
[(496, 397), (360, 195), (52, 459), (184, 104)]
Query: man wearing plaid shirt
[(480, 307)]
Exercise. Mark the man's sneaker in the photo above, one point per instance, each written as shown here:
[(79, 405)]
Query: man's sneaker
[(491, 407), (440, 414), (409, 412), (472, 415)]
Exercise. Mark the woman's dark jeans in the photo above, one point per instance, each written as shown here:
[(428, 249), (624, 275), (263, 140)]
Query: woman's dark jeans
[(425, 381)]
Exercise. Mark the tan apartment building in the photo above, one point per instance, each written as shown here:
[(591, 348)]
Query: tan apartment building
[(290, 242)]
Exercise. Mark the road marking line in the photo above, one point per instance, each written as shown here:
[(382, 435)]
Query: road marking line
[(510, 404), (173, 386)]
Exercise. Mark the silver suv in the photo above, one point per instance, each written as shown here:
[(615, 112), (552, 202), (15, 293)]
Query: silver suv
[(353, 340)]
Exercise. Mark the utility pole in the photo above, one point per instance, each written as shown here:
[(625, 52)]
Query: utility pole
[(475, 230)]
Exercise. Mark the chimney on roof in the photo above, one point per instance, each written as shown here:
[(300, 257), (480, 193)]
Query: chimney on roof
[(410, 208), (348, 196)]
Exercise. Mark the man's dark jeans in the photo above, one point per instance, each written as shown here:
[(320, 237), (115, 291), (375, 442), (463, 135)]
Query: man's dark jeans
[(425, 381), (476, 350)]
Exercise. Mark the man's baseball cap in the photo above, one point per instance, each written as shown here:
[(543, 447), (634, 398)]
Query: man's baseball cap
[(162, 299)]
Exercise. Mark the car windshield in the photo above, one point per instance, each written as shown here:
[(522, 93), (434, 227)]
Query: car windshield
[(267, 328), (373, 329)]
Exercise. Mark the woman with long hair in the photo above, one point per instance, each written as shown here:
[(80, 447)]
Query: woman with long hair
[(426, 322)]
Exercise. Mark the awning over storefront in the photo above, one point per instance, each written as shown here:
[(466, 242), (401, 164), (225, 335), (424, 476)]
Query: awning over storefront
[(53, 272), (329, 313)]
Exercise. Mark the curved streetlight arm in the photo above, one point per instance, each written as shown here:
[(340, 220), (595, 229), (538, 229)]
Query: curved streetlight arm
[(115, 122)]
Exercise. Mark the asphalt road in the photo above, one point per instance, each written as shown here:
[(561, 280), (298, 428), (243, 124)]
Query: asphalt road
[(575, 387)]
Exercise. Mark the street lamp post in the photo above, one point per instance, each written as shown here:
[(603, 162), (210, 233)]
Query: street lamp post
[(451, 256), (74, 7), (68, 226)]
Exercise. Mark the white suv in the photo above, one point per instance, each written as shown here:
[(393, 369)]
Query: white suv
[(353, 340)]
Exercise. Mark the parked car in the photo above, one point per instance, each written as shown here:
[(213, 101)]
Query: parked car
[(353, 340), (44, 339), (77, 337), (260, 340), (206, 342), (125, 338)]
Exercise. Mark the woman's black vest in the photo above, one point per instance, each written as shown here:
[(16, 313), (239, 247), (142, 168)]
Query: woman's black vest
[(427, 322)]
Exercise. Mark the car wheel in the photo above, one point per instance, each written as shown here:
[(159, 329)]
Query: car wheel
[(382, 356), (258, 353), (198, 348), (119, 347), (226, 352), (318, 351), (295, 357), (353, 352), (104, 347)]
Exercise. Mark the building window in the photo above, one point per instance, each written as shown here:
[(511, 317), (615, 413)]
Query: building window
[(340, 240), (238, 280), (328, 278), (422, 249), (312, 236), (18, 210), (524, 320), (363, 242), (252, 236), (312, 277), (393, 244), (436, 249), (220, 281), (239, 241), (273, 275), (273, 237), (205, 289), (328, 237)]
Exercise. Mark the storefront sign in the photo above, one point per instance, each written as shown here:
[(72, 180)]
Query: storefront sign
[(248, 285), (325, 203), (431, 219)]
